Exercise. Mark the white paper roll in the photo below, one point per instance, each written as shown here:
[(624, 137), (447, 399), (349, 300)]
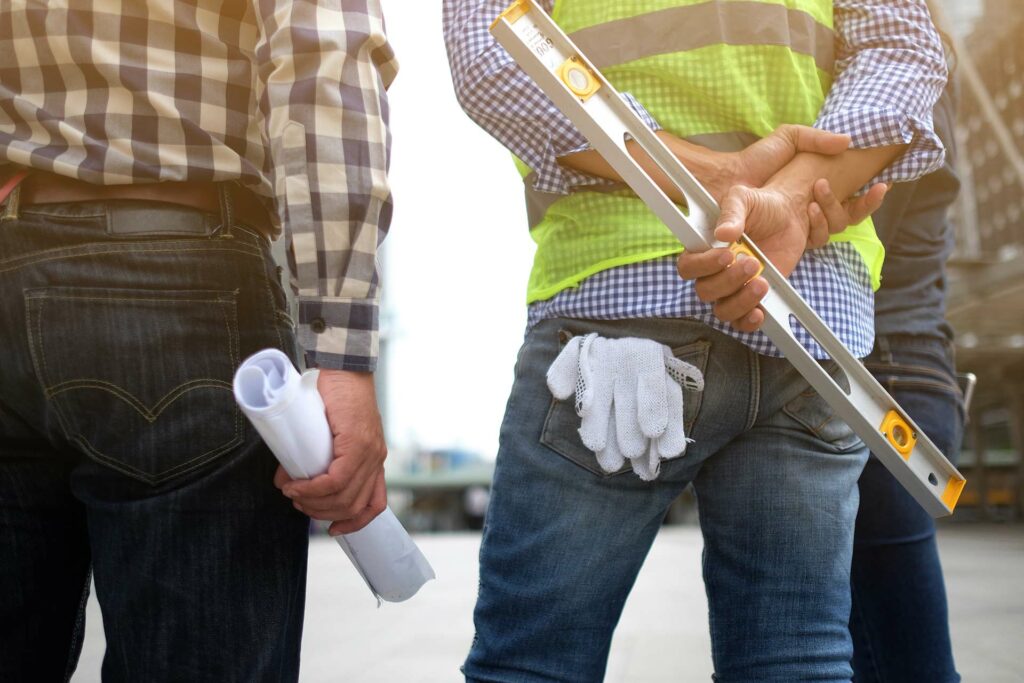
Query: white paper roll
[(288, 413)]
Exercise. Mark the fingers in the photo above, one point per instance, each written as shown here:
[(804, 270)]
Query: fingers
[(807, 139), (376, 504), (835, 213), (862, 207), (563, 374), (751, 322), (733, 215), (727, 282), (326, 484), (609, 458), (281, 477), (595, 417), (841, 215), (653, 415), (631, 439), (739, 307), (340, 494), (692, 265), (818, 235)]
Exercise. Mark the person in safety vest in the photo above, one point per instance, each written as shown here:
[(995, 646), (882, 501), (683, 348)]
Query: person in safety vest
[(669, 389)]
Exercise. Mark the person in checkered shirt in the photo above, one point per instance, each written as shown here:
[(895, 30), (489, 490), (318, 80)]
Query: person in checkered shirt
[(149, 153)]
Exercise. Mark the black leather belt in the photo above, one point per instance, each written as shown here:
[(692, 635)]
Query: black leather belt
[(230, 200)]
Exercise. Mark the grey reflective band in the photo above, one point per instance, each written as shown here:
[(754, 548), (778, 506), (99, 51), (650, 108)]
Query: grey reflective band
[(724, 142), (538, 203), (679, 29)]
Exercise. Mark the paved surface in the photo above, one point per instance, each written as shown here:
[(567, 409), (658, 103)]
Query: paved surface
[(662, 636)]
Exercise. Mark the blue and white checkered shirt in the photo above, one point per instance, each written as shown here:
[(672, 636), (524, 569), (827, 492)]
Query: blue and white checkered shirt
[(889, 71)]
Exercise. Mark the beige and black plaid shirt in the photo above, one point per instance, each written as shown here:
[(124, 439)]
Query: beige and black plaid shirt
[(286, 96)]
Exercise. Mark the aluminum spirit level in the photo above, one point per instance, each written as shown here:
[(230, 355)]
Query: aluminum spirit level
[(579, 90)]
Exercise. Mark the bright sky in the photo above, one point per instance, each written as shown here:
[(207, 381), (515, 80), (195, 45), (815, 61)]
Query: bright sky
[(457, 257)]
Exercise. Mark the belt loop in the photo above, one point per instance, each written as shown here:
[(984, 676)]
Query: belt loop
[(11, 205), (226, 217), (10, 195)]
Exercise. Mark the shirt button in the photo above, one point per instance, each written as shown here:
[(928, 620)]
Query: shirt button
[(318, 325)]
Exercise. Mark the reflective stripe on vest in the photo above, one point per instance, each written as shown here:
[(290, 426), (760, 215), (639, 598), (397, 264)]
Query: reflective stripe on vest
[(704, 70), (709, 23), (537, 203)]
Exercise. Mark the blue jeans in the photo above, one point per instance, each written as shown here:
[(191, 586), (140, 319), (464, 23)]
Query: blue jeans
[(775, 474), (900, 622), (123, 453)]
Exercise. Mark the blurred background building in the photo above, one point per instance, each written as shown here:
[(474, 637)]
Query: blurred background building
[(986, 295)]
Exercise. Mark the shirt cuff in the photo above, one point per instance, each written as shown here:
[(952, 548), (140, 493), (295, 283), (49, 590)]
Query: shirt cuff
[(884, 127), (555, 178), (339, 334)]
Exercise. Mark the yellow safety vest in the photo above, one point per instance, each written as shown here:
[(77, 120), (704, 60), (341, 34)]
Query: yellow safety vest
[(715, 72)]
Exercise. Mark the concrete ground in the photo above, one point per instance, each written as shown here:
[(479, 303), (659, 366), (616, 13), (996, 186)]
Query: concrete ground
[(663, 632)]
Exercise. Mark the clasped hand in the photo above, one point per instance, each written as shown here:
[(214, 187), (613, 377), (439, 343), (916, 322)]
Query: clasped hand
[(773, 192)]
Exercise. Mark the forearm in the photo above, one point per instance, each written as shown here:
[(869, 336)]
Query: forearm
[(711, 168), (890, 69), (846, 173), (330, 172)]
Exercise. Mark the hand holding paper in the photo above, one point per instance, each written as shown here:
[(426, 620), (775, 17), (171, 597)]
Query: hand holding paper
[(351, 492), (288, 412)]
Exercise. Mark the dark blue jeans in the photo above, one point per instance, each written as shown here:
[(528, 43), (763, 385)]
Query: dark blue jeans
[(899, 620), (122, 451)]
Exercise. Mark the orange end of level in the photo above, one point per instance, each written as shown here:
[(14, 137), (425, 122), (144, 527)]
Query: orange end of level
[(513, 12), (898, 433), (952, 493)]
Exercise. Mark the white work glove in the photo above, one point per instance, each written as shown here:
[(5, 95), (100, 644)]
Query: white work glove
[(629, 394)]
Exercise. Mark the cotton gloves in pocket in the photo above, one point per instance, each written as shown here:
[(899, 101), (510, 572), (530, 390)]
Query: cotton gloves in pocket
[(629, 394)]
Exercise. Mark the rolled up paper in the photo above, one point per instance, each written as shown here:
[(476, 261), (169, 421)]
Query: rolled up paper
[(287, 411)]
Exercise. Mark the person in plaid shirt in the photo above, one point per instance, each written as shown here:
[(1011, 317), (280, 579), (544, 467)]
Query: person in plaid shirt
[(149, 152)]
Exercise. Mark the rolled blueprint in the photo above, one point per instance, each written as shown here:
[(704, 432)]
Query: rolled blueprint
[(287, 411)]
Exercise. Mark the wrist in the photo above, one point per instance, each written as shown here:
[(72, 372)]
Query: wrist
[(716, 171), (796, 180)]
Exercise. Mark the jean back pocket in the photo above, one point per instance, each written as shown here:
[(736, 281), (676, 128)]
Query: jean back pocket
[(140, 380), (561, 426)]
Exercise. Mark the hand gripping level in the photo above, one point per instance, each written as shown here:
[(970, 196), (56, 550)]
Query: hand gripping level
[(580, 91)]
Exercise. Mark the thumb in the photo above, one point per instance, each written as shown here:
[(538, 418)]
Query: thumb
[(807, 139), (281, 477), (735, 209)]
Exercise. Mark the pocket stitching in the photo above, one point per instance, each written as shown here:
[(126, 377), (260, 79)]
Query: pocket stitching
[(897, 382), (102, 249), (181, 468), (839, 444), (35, 304), (699, 348), (149, 414)]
